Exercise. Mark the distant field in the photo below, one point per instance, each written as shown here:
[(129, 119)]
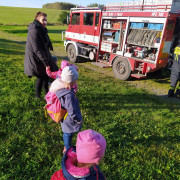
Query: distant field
[(23, 16)]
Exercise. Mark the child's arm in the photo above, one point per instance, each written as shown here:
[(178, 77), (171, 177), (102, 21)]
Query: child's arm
[(50, 73)]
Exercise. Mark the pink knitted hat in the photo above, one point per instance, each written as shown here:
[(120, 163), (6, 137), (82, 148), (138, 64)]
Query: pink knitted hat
[(90, 146), (66, 63)]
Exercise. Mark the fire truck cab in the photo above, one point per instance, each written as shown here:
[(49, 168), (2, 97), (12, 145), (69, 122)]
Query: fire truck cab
[(134, 39), (82, 35)]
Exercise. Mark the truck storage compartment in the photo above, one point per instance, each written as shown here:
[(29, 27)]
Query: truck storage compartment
[(116, 39), (108, 35), (137, 25), (144, 37), (155, 26)]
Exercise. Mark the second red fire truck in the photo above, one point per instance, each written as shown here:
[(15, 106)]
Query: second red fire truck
[(134, 40)]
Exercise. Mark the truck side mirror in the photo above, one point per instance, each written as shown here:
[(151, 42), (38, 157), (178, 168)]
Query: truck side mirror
[(68, 19)]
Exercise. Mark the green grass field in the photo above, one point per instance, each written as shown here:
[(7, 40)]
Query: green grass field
[(23, 16), (142, 130)]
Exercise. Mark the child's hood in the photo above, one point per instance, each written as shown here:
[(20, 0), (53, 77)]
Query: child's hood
[(70, 166), (62, 92), (56, 85)]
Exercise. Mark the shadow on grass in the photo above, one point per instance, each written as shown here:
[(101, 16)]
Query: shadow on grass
[(55, 31), (23, 31), (128, 101), (12, 47), (58, 42), (158, 140), (128, 116), (63, 58), (160, 76)]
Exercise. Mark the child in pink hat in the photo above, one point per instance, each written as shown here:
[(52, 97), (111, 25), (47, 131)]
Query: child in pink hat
[(81, 161), (57, 74)]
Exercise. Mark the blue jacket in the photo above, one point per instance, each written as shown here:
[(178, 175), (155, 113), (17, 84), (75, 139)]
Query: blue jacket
[(93, 173), (73, 122)]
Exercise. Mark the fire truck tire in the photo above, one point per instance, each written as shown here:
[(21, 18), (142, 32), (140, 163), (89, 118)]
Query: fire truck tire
[(71, 51), (121, 68)]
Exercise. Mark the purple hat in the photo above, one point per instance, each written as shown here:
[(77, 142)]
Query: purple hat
[(90, 146)]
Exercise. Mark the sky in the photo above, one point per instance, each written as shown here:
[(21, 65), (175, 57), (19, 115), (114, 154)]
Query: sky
[(39, 3)]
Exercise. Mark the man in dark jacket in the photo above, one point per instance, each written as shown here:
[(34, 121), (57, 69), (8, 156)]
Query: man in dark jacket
[(37, 53)]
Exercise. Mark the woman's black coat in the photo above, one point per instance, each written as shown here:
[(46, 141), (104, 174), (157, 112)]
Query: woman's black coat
[(37, 54)]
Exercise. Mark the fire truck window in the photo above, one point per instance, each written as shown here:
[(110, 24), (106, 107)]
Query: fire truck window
[(75, 19), (97, 19), (88, 19)]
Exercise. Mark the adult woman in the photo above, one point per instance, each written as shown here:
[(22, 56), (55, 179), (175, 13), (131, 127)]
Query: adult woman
[(37, 53)]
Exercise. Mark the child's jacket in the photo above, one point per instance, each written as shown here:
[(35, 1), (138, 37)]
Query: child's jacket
[(73, 121), (71, 172)]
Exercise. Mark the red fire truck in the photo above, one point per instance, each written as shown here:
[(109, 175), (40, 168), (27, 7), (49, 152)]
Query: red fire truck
[(134, 40)]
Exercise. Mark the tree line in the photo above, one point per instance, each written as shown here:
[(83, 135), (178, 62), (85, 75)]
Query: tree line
[(67, 6), (59, 5)]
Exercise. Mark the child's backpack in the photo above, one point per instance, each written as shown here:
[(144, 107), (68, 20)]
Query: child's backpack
[(53, 107)]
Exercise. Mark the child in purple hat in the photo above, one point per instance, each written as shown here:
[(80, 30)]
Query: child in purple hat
[(80, 162)]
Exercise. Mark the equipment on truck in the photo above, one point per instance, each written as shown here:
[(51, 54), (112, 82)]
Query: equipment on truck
[(134, 38)]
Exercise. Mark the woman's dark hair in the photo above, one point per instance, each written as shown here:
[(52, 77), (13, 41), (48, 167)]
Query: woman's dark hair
[(38, 14)]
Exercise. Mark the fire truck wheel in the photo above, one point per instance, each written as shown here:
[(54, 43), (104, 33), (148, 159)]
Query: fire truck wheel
[(121, 68), (71, 51)]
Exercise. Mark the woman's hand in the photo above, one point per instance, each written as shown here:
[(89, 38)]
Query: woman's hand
[(47, 67)]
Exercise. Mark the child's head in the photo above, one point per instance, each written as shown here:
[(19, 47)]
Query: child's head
[(90, 146), (69, 76)]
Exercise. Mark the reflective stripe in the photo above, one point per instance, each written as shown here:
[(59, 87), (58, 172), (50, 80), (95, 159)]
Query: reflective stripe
[(65, 116), (172, 88), (177, 53)]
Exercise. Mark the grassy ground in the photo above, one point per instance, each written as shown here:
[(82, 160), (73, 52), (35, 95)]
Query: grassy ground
[(23, 16), (142, 130)]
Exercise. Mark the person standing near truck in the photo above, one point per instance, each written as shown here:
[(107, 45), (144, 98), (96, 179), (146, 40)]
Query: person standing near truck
[(175, 70), (37, 53)]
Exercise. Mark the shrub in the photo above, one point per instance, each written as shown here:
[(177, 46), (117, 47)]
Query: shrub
[(62, 19), (59, 5)]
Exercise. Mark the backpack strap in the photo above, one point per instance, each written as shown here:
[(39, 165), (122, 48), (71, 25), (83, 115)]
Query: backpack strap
[(97, 175), (45, 111)]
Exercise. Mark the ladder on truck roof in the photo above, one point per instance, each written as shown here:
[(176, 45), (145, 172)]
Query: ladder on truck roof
[(144, 5), (165, 7)]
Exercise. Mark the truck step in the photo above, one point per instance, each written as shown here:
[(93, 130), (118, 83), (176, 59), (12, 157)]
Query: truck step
[(138, 69), (100, 64), (83, 56), (139, 76)]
